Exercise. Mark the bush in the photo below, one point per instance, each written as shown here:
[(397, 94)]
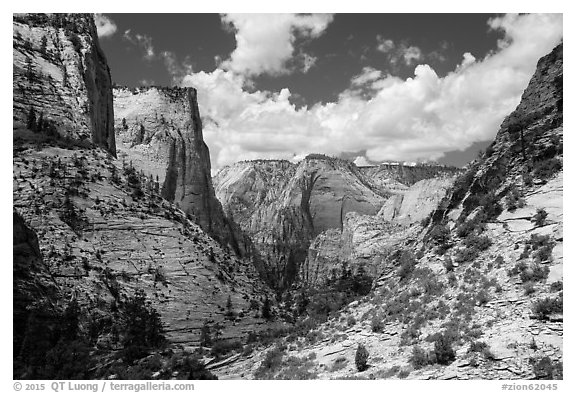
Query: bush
[(529, 288), (271, 363), (419, 357), (223, 347), (539, 219), (407, 264), (547, 168), (544, 307), (361, 358), (545, 368), (443, 349), (466, 255), (377, 325), (514, 199), (556, 286)]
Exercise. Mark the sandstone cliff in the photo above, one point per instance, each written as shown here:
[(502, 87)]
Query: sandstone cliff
[(61, 80), (283, 206), (159, 130)]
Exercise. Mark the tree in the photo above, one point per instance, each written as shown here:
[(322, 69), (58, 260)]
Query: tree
[(361, 358), (142, 327), (40, 124), (266, 309), (29, 69), (229, 307), (43, 45), (205, 336), (31, 125)]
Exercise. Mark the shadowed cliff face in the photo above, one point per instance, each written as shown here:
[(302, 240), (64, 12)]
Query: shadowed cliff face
[(61, 77)]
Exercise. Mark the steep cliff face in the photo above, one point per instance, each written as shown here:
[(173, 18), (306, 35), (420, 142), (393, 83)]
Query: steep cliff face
[(283, 206), (159, 131), (62, 86), (417, 201)]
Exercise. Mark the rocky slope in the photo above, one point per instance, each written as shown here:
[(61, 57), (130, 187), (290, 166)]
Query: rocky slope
[(478, 293), (283, 206), (159, 131), (92, 232)]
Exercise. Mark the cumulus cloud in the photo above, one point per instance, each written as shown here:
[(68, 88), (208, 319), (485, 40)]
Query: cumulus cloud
[(419, 118), (265, 42), (384, 45), (143, 41), (104, 25), (401, 53)]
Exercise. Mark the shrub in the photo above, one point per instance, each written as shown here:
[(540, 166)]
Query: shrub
[(481, 243), (377, 325), (271, 363), (223, 347), (539, 219), (514, 199), (403, 374), (545, 368), (482, 348), (443, 349), (529, 288), (419, 357), (547, 168), (466, 255), (361, 358), (544, 307), (534, 272), (407, 264), (556, 286), (351, 321)]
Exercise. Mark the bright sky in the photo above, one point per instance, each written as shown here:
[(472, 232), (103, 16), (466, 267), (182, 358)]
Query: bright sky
[(371, 87)]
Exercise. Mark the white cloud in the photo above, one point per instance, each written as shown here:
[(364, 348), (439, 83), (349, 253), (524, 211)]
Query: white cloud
[(384, 45), (368, 75), (104, 26), (143, 41), (402, 120), (265, 42), (411, 54)]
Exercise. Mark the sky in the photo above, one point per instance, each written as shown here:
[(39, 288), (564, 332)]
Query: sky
[(366, 87)]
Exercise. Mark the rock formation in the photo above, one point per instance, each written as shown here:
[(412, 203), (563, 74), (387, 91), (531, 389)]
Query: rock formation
[(103, 231), (283, 206), (61, 79), (159, 131)]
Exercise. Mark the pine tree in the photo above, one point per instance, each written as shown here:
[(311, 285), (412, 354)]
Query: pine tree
[(266, 309), (43, 45), (29, 69), (31, 125)]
